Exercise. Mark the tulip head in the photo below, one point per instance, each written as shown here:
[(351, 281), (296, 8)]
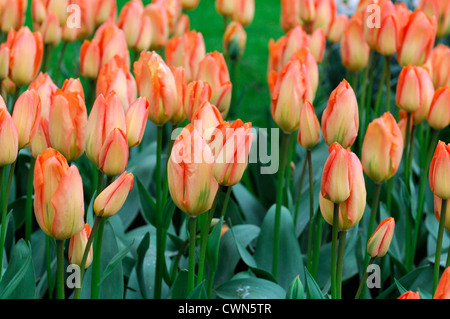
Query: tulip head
[(439, 114), (410, 295), (196, 94), (4, 61), (157, 15), (438, 210), (9, 138), (90, 59), (51, 30), (180, 79), (45, 88), (182, 26), (325, 14), (136, 120), (439, 175), (77, 247), (189, 4), (225, 7), (355, 51), (135, 25), (26, 115), (112, 198), (114, 153), (41, 139), (243, 11), (309, 127), (443, 288), (205, 119), (337, 28), (234, 41), (290, 14), (104, 10), (439, 66), (111, 41), (378, 244), (12, 15), (439, 9)]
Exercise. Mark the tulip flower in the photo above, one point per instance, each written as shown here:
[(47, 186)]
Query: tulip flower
[(325, 13), (225, 7), (378, 244), (90, 58), (182, 26), (243, 11), (416, 39), (309, 127), (136, 26), (67, 124), (77, 246), (440, 171), (74, 86), (41, 139), (439, 114), (87, 16), (114, 76), (51, 30), (45, 88), (317, 44), (26, 115), (234, 40), (307, 11), (136, 120), (26, 51), (13, 15), (4, 61), (112, 41), (180, 80), (290, 14), (189, 4), (186, 51), (58, 200), (157, 14), (114, 153), (104, 10), (439, 9), (192, 185), (9, 138), (340, 120), (439, 66), (382, 148), (438, 209), (112, 198), (337, 28), (196, 94), (409, 295), (213, 69), (305, 57), (443, 288), (40, 9), (156, 82), (354, 49), (205, 119)]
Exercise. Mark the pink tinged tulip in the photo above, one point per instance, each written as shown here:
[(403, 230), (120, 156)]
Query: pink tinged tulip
[(104, 10), (180, 80), (416, 39), (290, 14), (409, 295), (157, 14), (38, 12), (307, 10), (74, 86), (380, 30), (355, 51), (305, 57), (4, 61), (439, 66), (225, 7), (156, 82), (378, 244), (51, 30), (136, 120), (439, 114), (243, 11), (192, 185), (136, 26), (294, 40), (77, 247), (337, 28), (67, 124), (58, 200), (182, 26), (317, 44), (340, 120), (205, 119), (213, 69), (9, 138), (443, 288), (441, 10), (13, 14), (309, 127), (427, 93), (234, 40), (45, 88), (196, 94), (26, 115), (112, 42), (325, 13), (438, 209), (439, 175), (292, 87), (111, 200), (189, 4), (41, 139), (114, 154), (90, 58)]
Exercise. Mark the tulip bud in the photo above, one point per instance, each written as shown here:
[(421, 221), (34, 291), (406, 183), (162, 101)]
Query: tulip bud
[(307, 11), (156, 82), (51, 30), (157, 14), (355, 51), (290, 14), (69, 34), (382, 148), (90, 59), (291, 43), (189, 4), (114, 154), (437, 211), (111, 200), (440, 171), (136, 119), (112, 42), (340, 120), (136, 26), (443, 288), (343, 184), (305, 57), (192, 185), (225, 7), (9, 139), (58, 200), (234, 41), (196, 94), (378, 244), (4, 61), (180, 80), (182, 26), (243, 11), (77, 247), (74, 86), (45, 88), (439, 114), (104, 10), (337, 28), (325, 13), (26, 115), (439, 65), (41, 139), (13, 14), (410, 295), (205, 119), (317, 44), (309, 127), (439, 9)]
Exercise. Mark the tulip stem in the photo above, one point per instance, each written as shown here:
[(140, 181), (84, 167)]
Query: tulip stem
[(311, 211), (191, 271), (60, 60), (363, 280), (334, 239), (235, 68), (49, 267), (159, 216), (60, 269), (406, 151), (408, 232), (388, 83), (366, 100), (437, 260), (29, 203), (95, 285), (380, 91), (317, 243), (48, 53), (169, 151), (225, 203), (340, 262), (281, 174), (299, 192)]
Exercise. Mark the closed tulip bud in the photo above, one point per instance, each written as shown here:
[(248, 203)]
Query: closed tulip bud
[(427, 94), (38, 11), (409, 295), (416, 39), (234, 40), (192, 185), (340, 120), (438, 209), (276, 52), (51, 30), (41, 139), (157, 14), (337, 28), (4, 61), (225, 7), (74, 86), (77, 247), (189, 4), (305, 57), (182, 26), (317, 44), (136, 119), (69, 34), (136, 26), (354, 49), (196, 94), (325, 13), (290, 14), (180, 80), (26, 51), (67, 124), (13, 14), (87, 17), (291, 43), (26, 115), (46, 88), (9, 138), (440, 171), (382, 148), (213, 69), (114, 154), (112, 41), (186, 51), (439, 114), (292, 87), (105, 10), (90, 59), (414, 90), (439, 66), (58, 200), (156, 82), (343, 184), (307, 11), (378, 244), (111, 200), (309, 128), (243, 11), (443, 288), (106, 114), (205, 119), (8, 87), (439, 9)]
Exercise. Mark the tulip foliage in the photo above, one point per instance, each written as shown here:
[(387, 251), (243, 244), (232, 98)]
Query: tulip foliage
[(163, 155)]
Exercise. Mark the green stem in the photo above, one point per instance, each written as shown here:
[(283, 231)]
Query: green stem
[(380, 92), (276, 244), (363, 280), (60, 60), (311, 211), (29, 202), (49, 267), (235, 68), (317, 242), (299, 192), (48, 53), (437, 260), (406, 151), (373, 215), (166, 180), (334, 240), (409, 221), (368, 99), (92, 94), (225, 203), (447, 263), (212, 275), (191, 271), (388, 83), (60, 269), (95, 285), (340, 262), (390, 185), (100, 179), (159, 218)]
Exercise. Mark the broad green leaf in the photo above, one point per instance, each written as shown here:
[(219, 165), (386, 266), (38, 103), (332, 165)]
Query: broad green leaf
[(212, 253), (180, 285), (312, 287), (115, 261), (250, 288), (252, 209), (148, 204), (199, 292), (141, 252), (400, 288), (295, 290)]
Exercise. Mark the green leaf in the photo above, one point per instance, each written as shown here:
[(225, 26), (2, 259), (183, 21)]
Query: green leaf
[(250, 288), (212, 253), (90, 210), (115, 261), (169, 209), (141, 252), (180, 285), (148, 204), (312, 287), (252, 209), (199, 292), (400, 288), (295, 290)]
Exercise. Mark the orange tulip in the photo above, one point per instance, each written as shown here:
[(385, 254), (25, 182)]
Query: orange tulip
[(90, 59), (305, 57), (354, 49), (51, 30), (87, 17), (40, 9), (416, 39), (9, 138), (213, 69), (156, 82), (13, 14), (45, 88), (437, 212), (439, 114), (225, 7), (325, 13), (41, 139), (439, 66), (378, 244), (402, 125), (290, 14), (196, 94), (343, 184), (180, 80), (243, 11), (182, 26), (440, 171), (440, 10), (104, 10), (337, 28), (136, 26), (136, 120), (192, 185), (74, 86), (382, 148), (443, 288), (157, 14), (309, 127), (77, 247), (26, 115), (111, 200), (410, 295), (58, 200), (205, 119), (234, 40), (340, 120), (189, 4), (114, 153), (317, 44), (4, 61)]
